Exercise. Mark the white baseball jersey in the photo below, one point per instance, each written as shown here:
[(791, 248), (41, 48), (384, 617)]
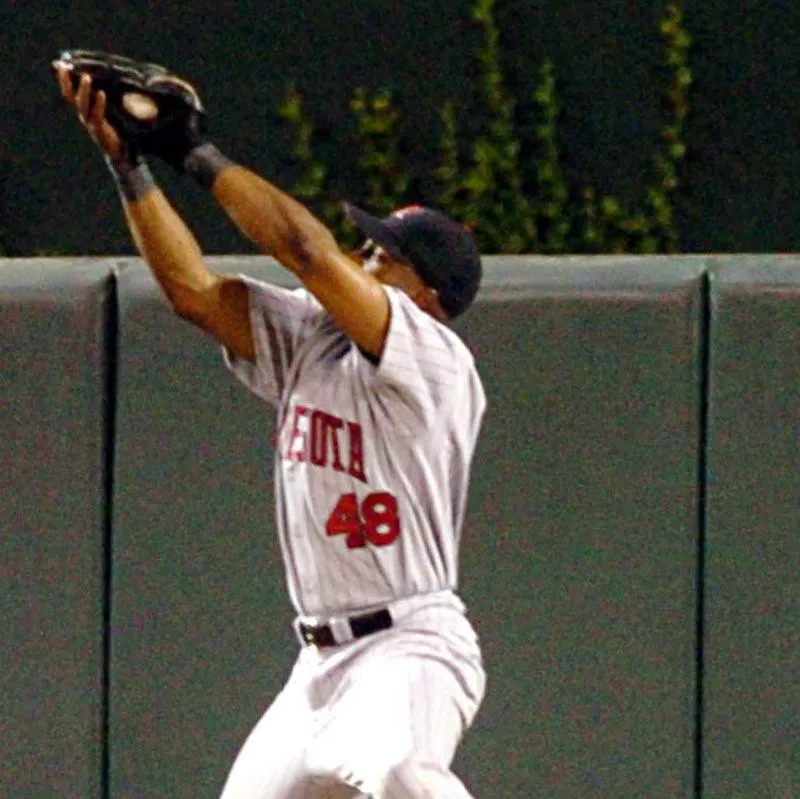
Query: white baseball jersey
[(372, 459)]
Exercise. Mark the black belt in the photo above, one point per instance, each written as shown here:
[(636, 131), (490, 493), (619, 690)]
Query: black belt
[(322, 634)]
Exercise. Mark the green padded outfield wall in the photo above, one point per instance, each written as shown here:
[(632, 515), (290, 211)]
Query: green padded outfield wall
[(580, 552), (751, 639), (54, 318), (580, 548), (579, 564)]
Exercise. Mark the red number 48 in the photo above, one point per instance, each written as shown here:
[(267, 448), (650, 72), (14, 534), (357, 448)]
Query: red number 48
[(376, 522)]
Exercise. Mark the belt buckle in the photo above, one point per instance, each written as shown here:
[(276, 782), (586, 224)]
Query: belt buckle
[(316, 635), (307, 634)]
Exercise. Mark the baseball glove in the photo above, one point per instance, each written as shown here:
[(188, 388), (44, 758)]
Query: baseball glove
[(152, 110)]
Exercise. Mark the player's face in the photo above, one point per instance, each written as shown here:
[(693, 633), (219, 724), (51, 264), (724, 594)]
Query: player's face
[(392, 272)]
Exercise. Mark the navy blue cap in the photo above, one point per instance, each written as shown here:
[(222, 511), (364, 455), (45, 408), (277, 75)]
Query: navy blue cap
[(443, 253)]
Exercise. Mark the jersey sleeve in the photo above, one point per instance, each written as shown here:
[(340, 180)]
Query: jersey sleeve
[(425, 369), (280, 320)]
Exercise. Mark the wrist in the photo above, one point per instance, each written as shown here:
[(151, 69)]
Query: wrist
[(134, 179), (204, 163)]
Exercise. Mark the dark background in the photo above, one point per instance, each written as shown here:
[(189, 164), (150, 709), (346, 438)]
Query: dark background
[(743, 155)]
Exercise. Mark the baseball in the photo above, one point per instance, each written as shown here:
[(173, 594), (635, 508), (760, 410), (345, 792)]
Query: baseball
[(140, 106)]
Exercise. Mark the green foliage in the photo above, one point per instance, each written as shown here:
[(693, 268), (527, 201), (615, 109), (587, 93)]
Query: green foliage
[(448, 173), (378, 131), (4, 250), (312, 185), (514, 206), (494, 204), (667, 162), (551, 206)]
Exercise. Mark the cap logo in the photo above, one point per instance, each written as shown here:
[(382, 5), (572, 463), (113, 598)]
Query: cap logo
[(402, 213)]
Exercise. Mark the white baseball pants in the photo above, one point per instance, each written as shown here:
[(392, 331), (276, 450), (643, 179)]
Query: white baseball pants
[(380, 717)]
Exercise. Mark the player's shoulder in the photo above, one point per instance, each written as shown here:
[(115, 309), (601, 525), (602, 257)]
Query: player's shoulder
[(260, 286), (281, 300)]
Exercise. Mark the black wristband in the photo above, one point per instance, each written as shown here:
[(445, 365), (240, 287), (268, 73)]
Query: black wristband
[(133, 180), (204, 163)]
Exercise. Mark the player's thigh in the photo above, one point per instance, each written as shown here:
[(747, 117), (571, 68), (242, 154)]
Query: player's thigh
[(272, 761), (393, 709)]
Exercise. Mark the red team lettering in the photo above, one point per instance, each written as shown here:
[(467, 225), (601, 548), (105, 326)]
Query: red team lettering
[(316, 437)]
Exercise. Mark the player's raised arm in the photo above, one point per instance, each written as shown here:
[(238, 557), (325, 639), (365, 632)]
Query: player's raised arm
[(285, 229), (429, 257)]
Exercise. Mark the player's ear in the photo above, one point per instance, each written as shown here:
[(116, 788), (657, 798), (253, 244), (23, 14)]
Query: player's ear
[(427, 298)]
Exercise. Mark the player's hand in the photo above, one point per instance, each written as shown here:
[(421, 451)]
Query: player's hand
[(91, 108)]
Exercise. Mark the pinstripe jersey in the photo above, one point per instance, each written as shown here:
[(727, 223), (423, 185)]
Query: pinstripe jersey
[(372, 459)]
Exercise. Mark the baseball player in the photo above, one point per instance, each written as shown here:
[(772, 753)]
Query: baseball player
[(379, 406)]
